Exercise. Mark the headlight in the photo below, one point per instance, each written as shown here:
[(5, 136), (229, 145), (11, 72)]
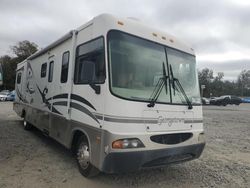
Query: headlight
[(201, 137), (127, 143)]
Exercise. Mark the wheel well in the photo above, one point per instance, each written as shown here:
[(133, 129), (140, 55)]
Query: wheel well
[(76, 135), (23, 113)]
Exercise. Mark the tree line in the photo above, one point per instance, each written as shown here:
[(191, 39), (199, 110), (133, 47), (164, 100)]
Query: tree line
[(214, 84), (19, 52)]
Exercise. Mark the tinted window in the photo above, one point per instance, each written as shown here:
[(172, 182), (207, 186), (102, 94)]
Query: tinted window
[(65, 67), (90, 59), (43, 70), (19, 76), (51, 70)]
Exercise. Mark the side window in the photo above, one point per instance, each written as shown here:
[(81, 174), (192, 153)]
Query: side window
[(19, 77), (51, 70), (90, 63), (43, 70), (65, 67)]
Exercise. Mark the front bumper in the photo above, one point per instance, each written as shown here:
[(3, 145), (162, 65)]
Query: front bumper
[(119, 162)]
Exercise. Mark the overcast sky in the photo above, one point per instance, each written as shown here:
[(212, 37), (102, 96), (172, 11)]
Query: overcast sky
[(218, 30)]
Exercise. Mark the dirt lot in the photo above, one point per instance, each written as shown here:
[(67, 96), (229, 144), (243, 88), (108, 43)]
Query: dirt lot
[(28, 159)]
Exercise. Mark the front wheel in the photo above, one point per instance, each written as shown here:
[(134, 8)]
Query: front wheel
[(83, 158)]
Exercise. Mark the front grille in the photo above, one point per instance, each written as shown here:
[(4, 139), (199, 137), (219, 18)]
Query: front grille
[(168, 160), (171, 138)]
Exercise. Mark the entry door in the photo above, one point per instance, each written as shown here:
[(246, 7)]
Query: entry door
[(50, 87), (19, 85)]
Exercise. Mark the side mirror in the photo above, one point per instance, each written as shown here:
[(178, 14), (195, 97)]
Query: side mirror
[(88, 75)]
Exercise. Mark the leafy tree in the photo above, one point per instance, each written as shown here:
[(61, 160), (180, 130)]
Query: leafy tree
[(21, 50), (219, 76), (206, 78), (24, 49), (8, 72), (244, 82), (217, 86)]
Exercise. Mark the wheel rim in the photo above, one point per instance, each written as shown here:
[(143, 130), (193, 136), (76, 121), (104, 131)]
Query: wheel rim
[(24, 123), (83, 155)]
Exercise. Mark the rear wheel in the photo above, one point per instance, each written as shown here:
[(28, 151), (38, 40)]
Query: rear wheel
[(83, 158)]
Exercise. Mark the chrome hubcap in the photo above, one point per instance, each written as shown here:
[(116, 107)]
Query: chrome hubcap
[(24, 123), (83, 155)]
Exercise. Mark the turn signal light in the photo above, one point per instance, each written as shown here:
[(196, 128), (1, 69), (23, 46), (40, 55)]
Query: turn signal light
[(118, 144), (154, 34), (120, 23)]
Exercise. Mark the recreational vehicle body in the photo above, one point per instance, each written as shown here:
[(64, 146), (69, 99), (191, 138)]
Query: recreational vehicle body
[(121, 95)]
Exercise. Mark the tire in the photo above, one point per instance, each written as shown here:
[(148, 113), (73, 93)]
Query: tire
[(83, 158), (26, 125)]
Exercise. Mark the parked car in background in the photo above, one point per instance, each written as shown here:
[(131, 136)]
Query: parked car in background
[(212, 99), (246, 100), (11, 96), (234, 100), (205, 101), (5, 91), (225, 100), (4, 95), (220, 101)]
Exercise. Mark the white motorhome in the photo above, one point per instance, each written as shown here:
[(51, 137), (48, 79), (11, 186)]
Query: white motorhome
[(121, 95)]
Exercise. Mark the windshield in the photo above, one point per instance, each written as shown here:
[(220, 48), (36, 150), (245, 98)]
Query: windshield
[(184, 69), (136, 67)]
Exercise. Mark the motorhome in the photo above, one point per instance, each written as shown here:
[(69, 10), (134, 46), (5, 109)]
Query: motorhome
[(121, 95)]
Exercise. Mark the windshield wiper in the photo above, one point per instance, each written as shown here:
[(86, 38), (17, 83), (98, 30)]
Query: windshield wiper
[(157, 90), (190, 106)]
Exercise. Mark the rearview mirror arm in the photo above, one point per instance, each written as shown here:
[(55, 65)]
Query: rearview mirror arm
[(97, 88)]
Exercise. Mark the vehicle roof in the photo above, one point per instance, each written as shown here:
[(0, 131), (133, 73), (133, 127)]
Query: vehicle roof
[(130, 25), (140, 29), (4, 92)]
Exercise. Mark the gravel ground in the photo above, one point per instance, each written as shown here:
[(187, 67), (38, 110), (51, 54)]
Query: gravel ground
[(29, 159)]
